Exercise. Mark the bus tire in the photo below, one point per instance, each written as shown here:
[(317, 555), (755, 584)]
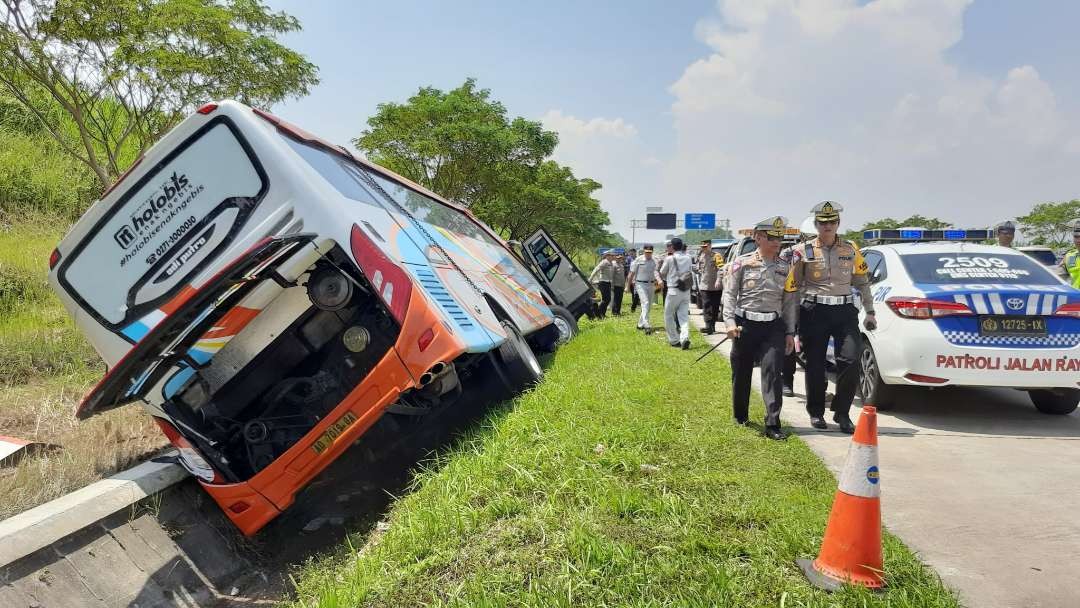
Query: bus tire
[(515, 362), (565, 323)]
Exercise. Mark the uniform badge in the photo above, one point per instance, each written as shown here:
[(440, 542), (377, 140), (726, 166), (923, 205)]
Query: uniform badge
[(817, 274)]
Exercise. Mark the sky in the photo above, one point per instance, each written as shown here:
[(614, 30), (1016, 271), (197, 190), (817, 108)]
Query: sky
[(965, 110)]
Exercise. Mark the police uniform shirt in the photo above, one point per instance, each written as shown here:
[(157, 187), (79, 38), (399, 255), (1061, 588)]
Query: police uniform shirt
[(707, 269), (756, 284), (817, 270), (618, 275), (642, 269), (674, 265), (603, 271)]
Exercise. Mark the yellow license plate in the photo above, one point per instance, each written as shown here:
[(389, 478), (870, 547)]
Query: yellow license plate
[(335, 430)]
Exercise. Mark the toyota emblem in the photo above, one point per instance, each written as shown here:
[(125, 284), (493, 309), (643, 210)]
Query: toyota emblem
[(1015, 303)]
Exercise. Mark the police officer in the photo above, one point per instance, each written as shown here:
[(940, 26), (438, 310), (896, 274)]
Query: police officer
[(759, 315), (601, 276), (823, 272), (618, 285), (1070, 263), (708, 295), (807, 231), (643, 278), (1005, 233), (631, 255)]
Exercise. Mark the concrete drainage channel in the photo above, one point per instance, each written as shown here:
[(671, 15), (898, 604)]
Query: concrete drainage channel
[(151, 537), (141, 538)]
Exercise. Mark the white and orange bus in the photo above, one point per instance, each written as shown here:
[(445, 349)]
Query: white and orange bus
[(267, 296)]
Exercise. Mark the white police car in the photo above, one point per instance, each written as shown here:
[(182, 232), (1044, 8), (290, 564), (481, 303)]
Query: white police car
[(951, 312)]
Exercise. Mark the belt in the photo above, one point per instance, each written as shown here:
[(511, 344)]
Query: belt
[(756, 316), (830, 300), (640, 281)]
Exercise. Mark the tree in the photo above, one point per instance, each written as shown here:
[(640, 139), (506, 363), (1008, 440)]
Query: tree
[(123, 72), (462, 145), (458, 143), (1045, 224)]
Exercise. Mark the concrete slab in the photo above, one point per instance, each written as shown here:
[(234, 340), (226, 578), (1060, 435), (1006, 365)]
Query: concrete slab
[(982, 486), (41, 526)]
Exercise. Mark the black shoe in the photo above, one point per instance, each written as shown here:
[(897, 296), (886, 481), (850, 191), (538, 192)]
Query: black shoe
[(845, 424), (675, 345), (742, 421), (788, 391), (686, 345), (774, 432), (818, 422), (708, 332)]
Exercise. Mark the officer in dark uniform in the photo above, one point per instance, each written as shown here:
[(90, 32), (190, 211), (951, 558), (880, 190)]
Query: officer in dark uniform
[(708, 289), (823, 272), (1005, 233), (759, 315)]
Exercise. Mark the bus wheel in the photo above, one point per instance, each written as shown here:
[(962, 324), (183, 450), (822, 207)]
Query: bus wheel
[(1055, 401), (565, 323), (514, 361)]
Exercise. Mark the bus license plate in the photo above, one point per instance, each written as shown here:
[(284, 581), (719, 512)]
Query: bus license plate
[(1005, 325)]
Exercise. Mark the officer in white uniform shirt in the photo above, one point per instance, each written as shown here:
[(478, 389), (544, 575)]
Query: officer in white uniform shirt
[(642, 278), (677, 273)]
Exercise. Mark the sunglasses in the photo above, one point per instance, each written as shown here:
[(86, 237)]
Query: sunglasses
[(828, 222), (773, 238), (1006, 231)]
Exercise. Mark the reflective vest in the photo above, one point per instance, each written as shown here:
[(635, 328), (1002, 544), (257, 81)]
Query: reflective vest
[(1071, 262)]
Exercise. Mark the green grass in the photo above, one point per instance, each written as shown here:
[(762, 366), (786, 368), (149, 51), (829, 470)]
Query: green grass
[(38, 339), (620, 481)]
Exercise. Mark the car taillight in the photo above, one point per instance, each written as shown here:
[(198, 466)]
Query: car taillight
[(207, 108), (1068, 310), (54, 258), (923, 308)]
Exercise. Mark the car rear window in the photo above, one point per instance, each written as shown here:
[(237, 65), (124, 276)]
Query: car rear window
[(961, 267), (1045, 256)]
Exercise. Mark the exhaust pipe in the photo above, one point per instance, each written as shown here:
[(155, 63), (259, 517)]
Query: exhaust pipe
[(438, 369)]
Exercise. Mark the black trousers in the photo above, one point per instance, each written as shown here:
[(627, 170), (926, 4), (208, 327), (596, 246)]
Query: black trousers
[(789, 369), (710, 307), (605, 297), (616, 299), (635, 301), (818, 323), (764, 339)]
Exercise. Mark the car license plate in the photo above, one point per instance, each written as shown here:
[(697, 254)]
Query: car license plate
[(1006, 325)]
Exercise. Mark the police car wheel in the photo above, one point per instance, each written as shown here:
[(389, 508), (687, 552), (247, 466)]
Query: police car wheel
[(514, 361), (565, 323), (1055, 401), (872, 388)]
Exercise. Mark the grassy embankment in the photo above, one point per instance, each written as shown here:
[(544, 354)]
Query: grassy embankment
[(620, 481), (45, 364)]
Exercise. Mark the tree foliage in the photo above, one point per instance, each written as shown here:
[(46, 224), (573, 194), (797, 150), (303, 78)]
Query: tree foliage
[(463, 145), (1045, 224), (107, 78)]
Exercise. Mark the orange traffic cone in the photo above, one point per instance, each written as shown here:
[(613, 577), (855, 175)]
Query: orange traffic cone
[(851, 549)]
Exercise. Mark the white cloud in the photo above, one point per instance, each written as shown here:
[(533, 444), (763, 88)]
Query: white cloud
[(611, 152), (803, 100)]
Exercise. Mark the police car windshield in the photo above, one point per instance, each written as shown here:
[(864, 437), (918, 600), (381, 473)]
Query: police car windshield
[(960, 267)]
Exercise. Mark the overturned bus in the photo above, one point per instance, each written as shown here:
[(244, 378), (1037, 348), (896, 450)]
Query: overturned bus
[(267, 296)]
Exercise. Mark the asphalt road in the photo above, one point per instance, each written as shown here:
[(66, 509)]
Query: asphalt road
[(981, 485)]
